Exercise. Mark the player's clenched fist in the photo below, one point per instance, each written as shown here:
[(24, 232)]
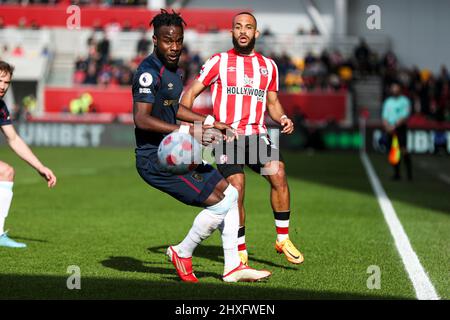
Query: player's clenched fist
[(287, 124), (229, 134)]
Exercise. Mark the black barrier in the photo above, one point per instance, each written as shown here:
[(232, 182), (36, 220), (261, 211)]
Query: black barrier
[(419, 141)]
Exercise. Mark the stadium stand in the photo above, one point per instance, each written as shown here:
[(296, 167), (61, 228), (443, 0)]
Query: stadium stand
[(106, 50)]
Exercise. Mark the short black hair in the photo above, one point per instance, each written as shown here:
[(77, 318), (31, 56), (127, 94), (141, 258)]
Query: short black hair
[(6, 68), (166, 18), (245, 12)]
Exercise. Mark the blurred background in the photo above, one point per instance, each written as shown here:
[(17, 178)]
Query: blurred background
[(336, 59)]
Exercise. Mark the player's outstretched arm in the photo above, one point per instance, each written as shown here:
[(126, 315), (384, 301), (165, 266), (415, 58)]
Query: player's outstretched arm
[(145, 121), (24, 152), (277, 113), (186, 114), (192, 93)]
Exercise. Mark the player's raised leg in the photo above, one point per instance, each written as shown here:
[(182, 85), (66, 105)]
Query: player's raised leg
[(6, 195), (221, 212), (280, 200), (206, 222)]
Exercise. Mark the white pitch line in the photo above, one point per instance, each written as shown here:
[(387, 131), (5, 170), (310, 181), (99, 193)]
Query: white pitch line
[(417, 274)]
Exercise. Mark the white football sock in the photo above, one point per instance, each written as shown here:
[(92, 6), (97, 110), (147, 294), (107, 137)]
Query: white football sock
[(229, 229), (6, 196), (282, 224), (242, 247), (204, 225)]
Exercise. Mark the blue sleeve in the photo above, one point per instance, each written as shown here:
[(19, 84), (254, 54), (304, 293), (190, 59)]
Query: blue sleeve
[(5, 117), (145, 85)]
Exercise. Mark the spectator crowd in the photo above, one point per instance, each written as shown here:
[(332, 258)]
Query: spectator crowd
[(328, 71), (99, 68)]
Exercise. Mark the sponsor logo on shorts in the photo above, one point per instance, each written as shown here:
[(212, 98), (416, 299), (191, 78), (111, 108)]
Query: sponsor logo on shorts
[(197, 177), (223, 159)]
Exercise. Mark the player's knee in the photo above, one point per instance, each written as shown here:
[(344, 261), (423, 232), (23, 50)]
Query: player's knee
[(278, 180), (232, 193), (238, 182), (7, 173), (239, 187), (224, 205)]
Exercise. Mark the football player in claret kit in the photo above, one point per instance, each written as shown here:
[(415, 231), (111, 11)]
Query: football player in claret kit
[(243, 83), (22, 150), (157, 86)]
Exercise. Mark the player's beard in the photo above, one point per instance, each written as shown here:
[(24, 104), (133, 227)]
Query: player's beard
[(167, 63), (244, 49)]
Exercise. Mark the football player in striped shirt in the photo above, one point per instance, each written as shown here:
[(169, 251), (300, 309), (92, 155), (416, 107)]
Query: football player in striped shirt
[(244, 84)]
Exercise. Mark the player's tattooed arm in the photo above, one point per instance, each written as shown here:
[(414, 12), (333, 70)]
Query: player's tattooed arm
[(192, 93), (277, 113), (145, 121)]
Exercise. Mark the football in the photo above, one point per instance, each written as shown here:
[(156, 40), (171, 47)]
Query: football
[(179, 153)]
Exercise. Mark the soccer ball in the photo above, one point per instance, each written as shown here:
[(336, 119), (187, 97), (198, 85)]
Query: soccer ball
[(179, 153)]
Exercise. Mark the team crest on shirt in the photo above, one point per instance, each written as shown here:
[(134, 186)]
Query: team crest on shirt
[(170, 86), (145, 79), (197, 177), (264, 72)]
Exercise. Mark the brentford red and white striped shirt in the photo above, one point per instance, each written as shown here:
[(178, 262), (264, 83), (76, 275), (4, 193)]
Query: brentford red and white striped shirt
[(239, 86)]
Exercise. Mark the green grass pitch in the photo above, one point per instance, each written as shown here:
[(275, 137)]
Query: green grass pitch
[(103, 218)]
